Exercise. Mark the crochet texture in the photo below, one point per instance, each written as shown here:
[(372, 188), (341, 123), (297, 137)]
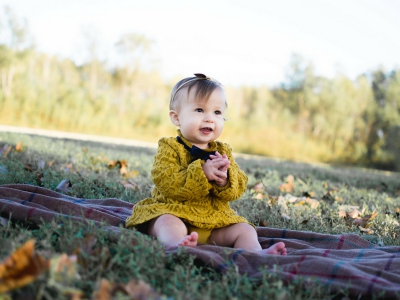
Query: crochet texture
[(182, 189)]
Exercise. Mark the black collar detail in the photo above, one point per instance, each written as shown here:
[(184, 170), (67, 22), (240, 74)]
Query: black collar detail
[(195, 151)]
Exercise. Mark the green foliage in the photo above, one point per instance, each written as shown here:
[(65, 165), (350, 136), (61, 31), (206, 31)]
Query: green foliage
[(308, 118)]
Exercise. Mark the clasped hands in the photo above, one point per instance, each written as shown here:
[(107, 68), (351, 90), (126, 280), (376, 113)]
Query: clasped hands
[(216, 169)]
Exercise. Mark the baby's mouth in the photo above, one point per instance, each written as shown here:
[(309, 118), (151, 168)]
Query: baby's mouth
[(206, 130)]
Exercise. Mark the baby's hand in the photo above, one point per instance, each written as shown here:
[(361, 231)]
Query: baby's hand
[(221, 158), (216, 169)]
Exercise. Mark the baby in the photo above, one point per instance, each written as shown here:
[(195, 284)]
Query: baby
[(196, 177)]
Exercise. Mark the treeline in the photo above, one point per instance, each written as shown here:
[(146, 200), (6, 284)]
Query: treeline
[(306, 118)]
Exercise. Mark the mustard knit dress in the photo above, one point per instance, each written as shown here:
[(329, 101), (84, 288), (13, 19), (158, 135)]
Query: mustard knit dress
[(181, 188)]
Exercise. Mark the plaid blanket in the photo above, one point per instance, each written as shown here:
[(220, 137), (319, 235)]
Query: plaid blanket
[(337, 261)]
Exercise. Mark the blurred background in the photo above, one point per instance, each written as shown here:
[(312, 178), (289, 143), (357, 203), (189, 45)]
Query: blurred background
[(310, 81)]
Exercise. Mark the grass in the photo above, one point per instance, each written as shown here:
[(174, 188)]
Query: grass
[(130, 255)]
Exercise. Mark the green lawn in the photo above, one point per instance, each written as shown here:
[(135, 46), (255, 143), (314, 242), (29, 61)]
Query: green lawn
[(317, 199)]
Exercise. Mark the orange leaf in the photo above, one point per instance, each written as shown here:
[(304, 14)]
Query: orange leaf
[(112, 163), (288, 186), (18, 147), (63, 269), (22, 267), (104, 291), (135, 289), (124, 167), (365, 221), (131, 174), (140, 290), (87, 248)]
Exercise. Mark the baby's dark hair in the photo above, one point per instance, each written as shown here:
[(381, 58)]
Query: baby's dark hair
[(203, 84)]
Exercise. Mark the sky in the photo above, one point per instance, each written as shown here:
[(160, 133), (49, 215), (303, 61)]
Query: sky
[(247, 42)]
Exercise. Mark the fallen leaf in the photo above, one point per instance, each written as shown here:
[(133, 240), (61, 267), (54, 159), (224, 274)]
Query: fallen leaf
[(258, 187), (104, 291), (41, 164), (124, 167), (304, 222), (288, 186), (28, 167), (300, 201), (351, 211), (63, 269), (259, 196), (131, 174), (39, 178), (285, 217), (18, 147), (129, 184), (328, 198), (272, 200), (86, 250), (366, 230), (309, 194), (64, 186), (63, 274), (68, 167), (365, 221), (87, 244), (5, 150), (137, 290), (140, 290), (21, 267)]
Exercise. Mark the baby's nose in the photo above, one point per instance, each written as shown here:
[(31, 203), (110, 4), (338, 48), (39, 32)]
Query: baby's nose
[(208, 118)]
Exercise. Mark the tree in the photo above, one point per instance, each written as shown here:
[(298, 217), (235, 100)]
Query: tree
[(13, 48)]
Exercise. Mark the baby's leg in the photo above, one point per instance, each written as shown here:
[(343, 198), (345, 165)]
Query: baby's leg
[(171, 232), (243, 236)]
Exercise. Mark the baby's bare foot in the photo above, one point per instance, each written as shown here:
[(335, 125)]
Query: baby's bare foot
[(276, 249), (189, 240)]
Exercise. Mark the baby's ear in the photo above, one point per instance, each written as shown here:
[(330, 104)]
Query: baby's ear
[(173, 115)]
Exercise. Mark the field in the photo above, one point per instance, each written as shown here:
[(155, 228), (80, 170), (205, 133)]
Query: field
[(281, 194)]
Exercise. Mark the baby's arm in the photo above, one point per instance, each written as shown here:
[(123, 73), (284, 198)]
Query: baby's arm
[(174, 180), (236, 179)]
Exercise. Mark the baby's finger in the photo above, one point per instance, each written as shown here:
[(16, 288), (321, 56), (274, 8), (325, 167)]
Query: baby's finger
[(221, 174)]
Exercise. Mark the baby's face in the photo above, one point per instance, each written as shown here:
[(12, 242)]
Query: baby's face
[(201, 122)]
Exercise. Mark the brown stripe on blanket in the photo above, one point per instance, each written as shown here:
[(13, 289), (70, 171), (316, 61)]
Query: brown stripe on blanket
[(337, 261)]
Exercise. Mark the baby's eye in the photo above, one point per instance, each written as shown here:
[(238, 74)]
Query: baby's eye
[(199, 110), (218, 112)]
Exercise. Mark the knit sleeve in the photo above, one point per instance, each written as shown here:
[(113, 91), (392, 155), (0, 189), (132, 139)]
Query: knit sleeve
[(176, 181), (237, 180)]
